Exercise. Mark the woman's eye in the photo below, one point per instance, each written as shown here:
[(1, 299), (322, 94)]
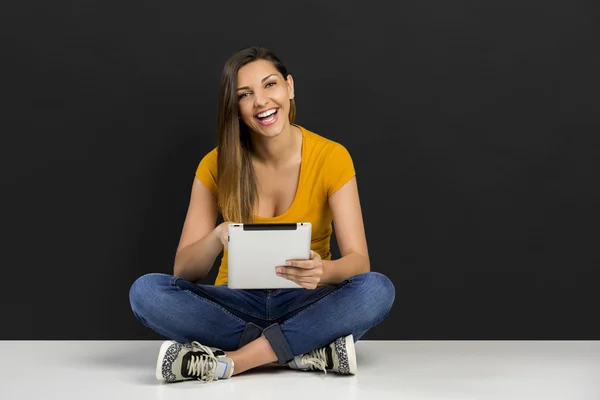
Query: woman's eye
[(241, 96)]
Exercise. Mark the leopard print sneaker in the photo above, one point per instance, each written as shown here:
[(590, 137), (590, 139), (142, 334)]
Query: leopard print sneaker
[(179, 362), (339, 357)]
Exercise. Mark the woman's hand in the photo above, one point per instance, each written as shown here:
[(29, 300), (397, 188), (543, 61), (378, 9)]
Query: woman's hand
[(223, 233), (306, 273)]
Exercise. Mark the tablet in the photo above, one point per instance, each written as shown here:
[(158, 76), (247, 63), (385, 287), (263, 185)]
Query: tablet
[(255, 250)]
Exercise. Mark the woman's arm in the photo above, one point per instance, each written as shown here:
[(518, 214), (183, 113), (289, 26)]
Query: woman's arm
[(350, 235), (194, 261), (200, 241)]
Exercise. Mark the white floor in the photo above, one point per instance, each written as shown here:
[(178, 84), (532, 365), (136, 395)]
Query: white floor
[(386, 370)]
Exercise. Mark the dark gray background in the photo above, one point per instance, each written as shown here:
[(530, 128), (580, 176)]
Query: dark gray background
[(474, 128)]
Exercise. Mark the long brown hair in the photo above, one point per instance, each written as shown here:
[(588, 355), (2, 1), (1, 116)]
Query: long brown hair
[(235, 175)]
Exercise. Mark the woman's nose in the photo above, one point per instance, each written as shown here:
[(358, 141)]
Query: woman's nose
[(260, 99)]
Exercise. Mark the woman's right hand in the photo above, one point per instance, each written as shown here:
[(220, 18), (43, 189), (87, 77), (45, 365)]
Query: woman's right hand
[(223, 232)]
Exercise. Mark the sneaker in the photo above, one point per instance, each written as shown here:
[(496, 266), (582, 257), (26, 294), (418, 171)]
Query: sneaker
[(179, 362), (339, 357)]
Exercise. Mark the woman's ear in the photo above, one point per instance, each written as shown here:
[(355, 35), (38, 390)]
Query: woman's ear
[(290, 85)]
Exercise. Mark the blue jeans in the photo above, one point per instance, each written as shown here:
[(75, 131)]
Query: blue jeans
[(294, 321)]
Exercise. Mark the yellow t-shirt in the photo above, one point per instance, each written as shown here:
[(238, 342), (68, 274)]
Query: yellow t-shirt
[(325, 167)]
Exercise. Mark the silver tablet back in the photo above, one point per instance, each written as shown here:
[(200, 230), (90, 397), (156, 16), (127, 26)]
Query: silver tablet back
[(255, 250)]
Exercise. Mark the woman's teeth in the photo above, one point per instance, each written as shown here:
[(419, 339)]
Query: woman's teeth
[(268, 117), (266, 113)]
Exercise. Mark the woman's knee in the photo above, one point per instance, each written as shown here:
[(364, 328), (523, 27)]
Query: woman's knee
[(375, 289), (146, 289)]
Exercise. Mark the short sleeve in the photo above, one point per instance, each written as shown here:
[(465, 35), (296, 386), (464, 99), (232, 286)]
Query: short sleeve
[(340, 169), (207, 171)]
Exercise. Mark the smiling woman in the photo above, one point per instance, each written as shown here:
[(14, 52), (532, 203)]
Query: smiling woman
[(266, 117), (265, 169), (257, 89)]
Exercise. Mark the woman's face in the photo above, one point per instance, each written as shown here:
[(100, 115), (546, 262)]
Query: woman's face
[(264, 97)]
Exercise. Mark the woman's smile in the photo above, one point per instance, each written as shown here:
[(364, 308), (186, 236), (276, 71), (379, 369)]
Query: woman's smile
[(268, 117)]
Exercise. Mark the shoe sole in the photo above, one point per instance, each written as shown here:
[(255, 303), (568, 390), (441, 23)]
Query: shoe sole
[(161, 355), (353, 368)]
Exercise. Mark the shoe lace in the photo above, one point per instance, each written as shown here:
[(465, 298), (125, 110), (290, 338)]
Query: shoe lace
[(202, 366), (316, 359)]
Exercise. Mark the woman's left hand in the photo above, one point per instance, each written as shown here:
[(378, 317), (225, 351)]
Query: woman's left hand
[(306, 273)]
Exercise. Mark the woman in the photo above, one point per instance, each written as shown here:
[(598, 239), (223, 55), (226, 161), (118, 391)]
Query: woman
[(265, 169)]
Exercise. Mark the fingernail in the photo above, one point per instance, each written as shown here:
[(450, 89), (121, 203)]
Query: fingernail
[(278, 270), (288, 263)]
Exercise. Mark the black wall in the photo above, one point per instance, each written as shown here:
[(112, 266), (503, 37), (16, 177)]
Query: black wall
[(474, 128)]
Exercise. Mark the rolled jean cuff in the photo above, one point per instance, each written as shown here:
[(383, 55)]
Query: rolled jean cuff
[(251, 333), (279, 344)]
